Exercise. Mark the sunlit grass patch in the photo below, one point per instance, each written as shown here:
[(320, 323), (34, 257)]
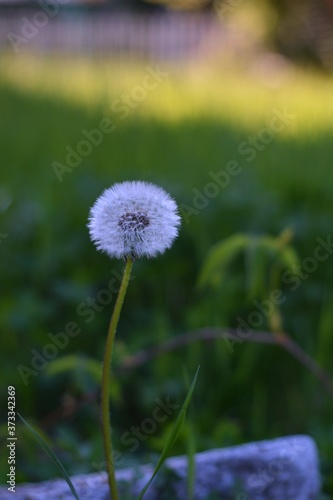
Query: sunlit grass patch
[(242, 97)]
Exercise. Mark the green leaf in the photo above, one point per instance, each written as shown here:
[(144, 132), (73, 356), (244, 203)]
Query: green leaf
[(256, 263), (51, 454), (191, 447), (324, 333), (288, 257), (173, 434), (219, 258), (73, 362), (262, 254), (62, 365)]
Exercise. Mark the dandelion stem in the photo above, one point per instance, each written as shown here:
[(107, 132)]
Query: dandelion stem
[(105, 403)]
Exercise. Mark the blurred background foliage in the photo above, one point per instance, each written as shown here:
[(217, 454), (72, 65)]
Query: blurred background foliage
[(192, 124)]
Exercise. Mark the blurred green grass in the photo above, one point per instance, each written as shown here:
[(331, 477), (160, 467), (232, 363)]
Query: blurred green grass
[(192, 124)]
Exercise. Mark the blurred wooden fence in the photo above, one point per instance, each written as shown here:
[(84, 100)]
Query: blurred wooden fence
[(155, 35)]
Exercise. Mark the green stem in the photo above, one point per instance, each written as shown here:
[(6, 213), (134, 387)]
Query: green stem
[(106, 425)]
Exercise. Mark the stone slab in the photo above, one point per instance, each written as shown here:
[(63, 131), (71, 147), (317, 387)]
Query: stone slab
[(279, 469)]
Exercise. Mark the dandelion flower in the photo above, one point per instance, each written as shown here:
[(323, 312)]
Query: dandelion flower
[(134, 219)]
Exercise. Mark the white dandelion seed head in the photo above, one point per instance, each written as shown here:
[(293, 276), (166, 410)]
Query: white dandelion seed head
[(134, 219)]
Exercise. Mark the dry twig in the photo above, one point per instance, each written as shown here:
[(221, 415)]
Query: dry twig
[(227, 334)]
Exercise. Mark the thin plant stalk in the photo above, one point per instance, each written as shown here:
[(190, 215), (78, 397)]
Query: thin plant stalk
[(105, 395)]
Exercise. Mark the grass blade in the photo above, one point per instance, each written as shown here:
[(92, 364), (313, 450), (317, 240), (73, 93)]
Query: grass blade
[(51, 454), (173, 434), (191, 447)]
